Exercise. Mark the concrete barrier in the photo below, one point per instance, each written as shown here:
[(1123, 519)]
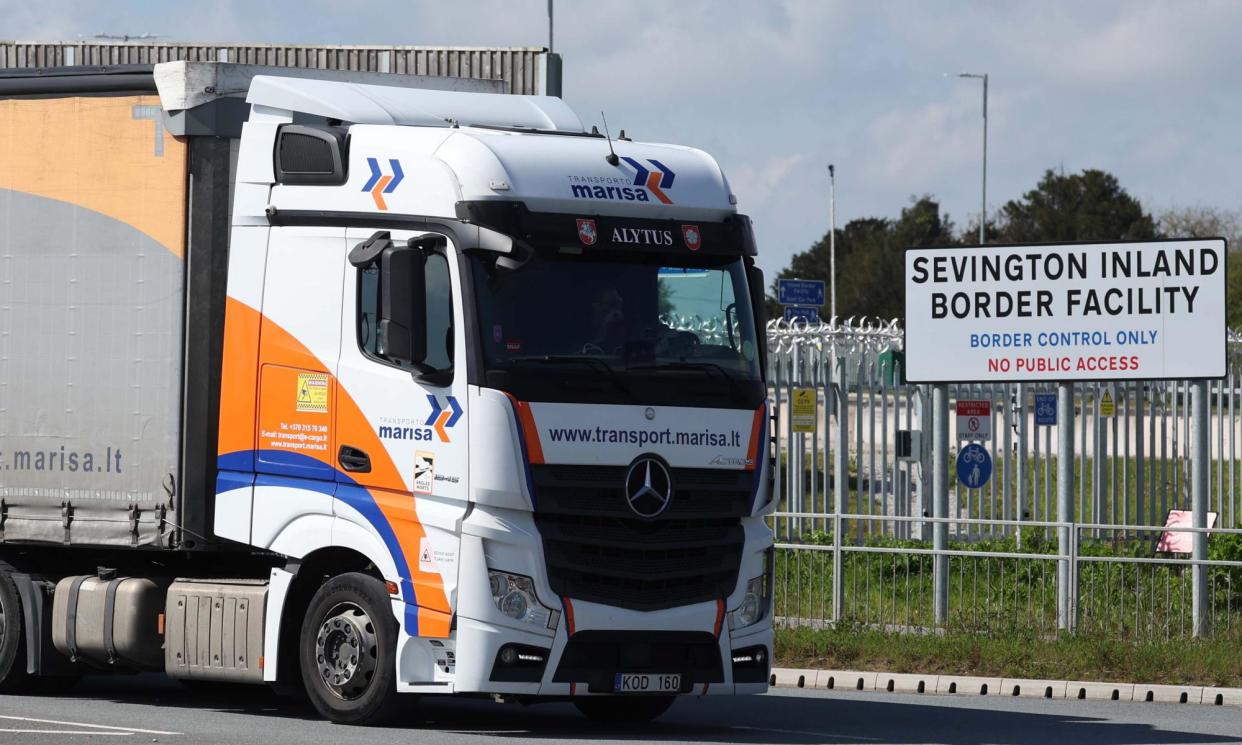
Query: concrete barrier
[(1028, 688), (968, 685), (846, 680)]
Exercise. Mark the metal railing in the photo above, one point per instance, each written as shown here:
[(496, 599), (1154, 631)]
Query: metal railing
[(855, 512), (1122, 589)]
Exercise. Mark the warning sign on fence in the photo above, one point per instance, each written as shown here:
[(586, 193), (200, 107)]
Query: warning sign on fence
[(803, 409), (974, 419), (1107, 406)]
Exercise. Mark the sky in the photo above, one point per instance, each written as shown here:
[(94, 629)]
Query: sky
[(778, 90)]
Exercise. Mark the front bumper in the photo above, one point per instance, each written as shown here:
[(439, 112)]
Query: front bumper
[(592, 642), (683, 640)]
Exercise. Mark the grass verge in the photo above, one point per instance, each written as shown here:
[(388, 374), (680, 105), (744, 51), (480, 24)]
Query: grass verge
[(1211, 662)]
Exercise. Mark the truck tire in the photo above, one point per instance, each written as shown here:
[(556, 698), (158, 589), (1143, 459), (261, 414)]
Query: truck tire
[(623, 709), (13, 675), (348, 651)]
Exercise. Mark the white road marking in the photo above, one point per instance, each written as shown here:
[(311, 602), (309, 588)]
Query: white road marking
[(93, 726), (68, 732), (804, 733)]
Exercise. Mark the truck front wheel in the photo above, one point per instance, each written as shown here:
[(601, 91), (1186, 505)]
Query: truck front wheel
[(348, 648), (622, 709)]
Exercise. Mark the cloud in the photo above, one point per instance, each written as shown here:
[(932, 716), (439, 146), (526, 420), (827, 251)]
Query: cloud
[(756, 184), (776, 90)]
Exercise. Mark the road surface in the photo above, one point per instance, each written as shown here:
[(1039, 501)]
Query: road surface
[(151, 708)]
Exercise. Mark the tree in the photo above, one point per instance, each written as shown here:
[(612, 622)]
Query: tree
[(871, 259), (1202, 222), (1212, 222), (1079, 207)]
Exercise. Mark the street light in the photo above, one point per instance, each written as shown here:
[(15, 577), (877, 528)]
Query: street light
[(983, 210), (832, 240)]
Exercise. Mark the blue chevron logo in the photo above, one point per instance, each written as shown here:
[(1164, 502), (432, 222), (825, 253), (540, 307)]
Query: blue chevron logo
[(442, 419), (381, 183)]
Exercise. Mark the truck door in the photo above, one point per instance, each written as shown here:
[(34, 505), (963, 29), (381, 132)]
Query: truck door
[(295, 473), (401, 433)]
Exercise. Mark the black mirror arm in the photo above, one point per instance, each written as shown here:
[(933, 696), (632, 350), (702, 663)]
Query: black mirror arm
[(438, 377)]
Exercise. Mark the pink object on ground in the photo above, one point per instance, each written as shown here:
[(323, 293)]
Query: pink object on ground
[(1178, 541)]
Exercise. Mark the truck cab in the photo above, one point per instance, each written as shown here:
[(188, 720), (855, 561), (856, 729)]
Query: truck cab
[(491, 404)]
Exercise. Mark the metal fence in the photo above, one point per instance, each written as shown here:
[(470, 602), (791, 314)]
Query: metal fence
[(855, 517)]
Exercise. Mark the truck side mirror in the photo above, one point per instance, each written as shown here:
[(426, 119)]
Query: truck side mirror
[(758, 306), (403, 302)]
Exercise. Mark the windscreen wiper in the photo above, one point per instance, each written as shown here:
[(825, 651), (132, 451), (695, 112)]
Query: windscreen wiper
[(597, 363)]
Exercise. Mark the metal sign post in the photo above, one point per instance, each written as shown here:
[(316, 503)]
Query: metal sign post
[(940, 501), (1199, 505), (1066, 575)]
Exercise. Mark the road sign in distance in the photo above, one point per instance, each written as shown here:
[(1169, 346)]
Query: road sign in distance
[(800, 292), (802, 313), (974, 466), (1046, 409)]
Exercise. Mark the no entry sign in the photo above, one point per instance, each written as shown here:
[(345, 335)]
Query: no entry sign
[(1078, 311)]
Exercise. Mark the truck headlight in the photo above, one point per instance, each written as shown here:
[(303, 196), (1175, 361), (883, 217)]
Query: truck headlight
[(514, 596), (756, 601)]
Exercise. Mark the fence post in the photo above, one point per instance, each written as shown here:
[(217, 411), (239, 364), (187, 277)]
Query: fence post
[(1199, 455), (1065, 505), (940, 500), (841, 476), (1020, 480), (838, 580)]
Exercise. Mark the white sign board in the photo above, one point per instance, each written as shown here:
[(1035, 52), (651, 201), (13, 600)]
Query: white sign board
[(1079, 311), (974, 419)]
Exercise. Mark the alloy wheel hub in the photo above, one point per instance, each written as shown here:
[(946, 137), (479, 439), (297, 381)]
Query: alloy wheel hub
[(345, 651)]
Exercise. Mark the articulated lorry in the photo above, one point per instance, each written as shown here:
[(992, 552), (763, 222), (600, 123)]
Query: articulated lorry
[(326, 382)]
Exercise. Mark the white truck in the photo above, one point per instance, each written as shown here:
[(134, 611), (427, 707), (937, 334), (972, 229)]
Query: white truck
[(374, 390)]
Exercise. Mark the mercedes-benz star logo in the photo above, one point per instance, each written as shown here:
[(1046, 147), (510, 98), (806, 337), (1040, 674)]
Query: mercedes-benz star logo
[(648, 487)]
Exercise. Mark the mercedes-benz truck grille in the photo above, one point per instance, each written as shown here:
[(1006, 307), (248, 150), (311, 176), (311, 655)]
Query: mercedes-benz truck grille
[(597, 549)]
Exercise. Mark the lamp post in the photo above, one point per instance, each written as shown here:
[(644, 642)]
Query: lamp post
[(832, 241), (983, 204)]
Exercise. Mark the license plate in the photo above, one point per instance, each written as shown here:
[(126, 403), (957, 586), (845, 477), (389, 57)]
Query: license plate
[(647, 683)]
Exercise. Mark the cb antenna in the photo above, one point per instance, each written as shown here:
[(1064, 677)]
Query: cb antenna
[(611, 157)]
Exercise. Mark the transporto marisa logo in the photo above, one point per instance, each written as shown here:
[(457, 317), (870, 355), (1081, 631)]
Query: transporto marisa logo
[(658, 178), (650, 179), (441, 419), (381, 183)]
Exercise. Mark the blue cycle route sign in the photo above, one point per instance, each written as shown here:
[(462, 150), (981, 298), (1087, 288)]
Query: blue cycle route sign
[(800, 292), (802, 313), (974, 466), (1046, 409)]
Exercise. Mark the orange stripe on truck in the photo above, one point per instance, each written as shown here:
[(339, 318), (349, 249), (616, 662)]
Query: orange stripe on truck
[(255, 342), (756, 436), (530, 433), (239, 378)]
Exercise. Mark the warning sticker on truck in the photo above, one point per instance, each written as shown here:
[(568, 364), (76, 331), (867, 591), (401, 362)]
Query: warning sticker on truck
[(424, 472), (312, 393)]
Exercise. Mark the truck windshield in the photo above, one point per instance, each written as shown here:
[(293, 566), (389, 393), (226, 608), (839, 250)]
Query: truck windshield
[(667, 329)]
